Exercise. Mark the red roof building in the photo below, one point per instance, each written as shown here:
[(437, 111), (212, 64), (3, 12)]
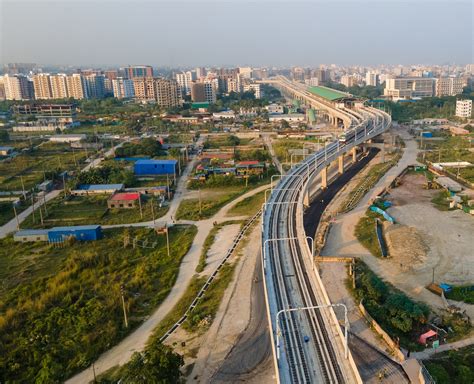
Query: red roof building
[(124, 200)]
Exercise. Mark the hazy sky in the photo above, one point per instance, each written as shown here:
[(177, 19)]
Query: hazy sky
[(231, 32)]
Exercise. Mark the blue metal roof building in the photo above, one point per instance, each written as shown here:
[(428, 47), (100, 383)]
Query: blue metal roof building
[(100, 187), (80, 232), (156, 167)]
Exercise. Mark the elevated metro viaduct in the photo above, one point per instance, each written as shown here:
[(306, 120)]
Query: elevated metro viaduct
[(335, 106)]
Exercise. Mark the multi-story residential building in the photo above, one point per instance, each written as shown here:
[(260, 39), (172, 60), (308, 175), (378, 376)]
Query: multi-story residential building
[(2, 88), (76, 87), (464, 109), (167, 94), (144, 88), (123, 88), (470, 69), (200, 72), (409, 87), (137, 71), (233, 85), (312, 81), (95, 85), (59, 86), (184, 80), (256, 88), (372, 78), (203, 92), (347, 80), (449, 86), (18, 87), (245, 72), (42, 86)]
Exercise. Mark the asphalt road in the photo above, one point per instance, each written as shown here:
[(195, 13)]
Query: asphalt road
[(253, 348)]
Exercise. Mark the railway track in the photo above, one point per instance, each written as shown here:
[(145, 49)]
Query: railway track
[(310, 351)]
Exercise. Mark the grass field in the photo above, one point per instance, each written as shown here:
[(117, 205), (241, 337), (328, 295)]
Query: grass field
[(248, 206), (32, 166), (80, 210), (211, 202), (78, 288), (7, 213)]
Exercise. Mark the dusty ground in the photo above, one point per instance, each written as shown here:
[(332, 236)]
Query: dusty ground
[(436, 239)]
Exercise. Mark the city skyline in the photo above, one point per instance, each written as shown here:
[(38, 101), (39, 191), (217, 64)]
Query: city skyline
[(257, 34)]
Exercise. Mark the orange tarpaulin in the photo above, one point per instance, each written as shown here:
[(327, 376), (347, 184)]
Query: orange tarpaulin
[(425, 336)]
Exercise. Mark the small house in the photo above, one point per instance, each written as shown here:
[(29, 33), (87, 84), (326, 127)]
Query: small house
[(124, 200), (31, 235), (96, 189), (155, 167), (46, 186), (80, 233), (252, 167)]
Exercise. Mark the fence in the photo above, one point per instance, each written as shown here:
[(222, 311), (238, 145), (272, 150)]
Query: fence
[(385, 336), (203, 290)]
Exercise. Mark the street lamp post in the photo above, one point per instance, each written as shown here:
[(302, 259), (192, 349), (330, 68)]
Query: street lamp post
[(287, 310)]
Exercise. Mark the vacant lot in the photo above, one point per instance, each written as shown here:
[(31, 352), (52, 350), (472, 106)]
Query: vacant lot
[(61, 307), (80, 210)]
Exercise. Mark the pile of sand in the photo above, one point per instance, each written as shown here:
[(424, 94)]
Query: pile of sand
[(405, 245)]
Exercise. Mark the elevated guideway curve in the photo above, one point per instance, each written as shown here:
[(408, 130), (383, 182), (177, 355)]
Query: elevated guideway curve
[(307, 340)]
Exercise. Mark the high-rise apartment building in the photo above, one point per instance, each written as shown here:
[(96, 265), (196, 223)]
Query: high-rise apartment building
[(76, 87), (137, 71), (372, 78), (233, 85), (203, 92), (409, 87), (123, 88), (200, 72), (18, 87), (2, 88), (184, 80), (449, 86), (59, 86), (470, 69), (347, 80), (144, 88), (464, 109), (42, 86), (167, 95), (95, 86)]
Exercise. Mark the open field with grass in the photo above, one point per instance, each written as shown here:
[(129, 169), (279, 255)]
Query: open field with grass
[(80, 210), (79, 288), (455, 366), (248, 206), (38, 164), (7, 213)]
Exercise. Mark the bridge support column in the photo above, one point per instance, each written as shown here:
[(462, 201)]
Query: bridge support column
[(306, 198), (340, 164), (324, 178), (354, 155)]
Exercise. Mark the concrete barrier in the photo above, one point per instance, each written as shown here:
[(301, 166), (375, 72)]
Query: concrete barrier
[(385, 336)]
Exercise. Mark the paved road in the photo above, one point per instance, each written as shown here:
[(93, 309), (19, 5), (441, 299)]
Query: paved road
[(11, 226), (268, 142)]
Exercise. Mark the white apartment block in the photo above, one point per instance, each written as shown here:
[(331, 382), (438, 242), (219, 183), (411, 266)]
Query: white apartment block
[(256, 88), (123, 88), (42, 86), (449, 86), (464, 109), (245, 72), (409, 87), (76, 87), (59, 86), (372, 78), (347, 80), (16, 87), (312, 82), (184, 80)]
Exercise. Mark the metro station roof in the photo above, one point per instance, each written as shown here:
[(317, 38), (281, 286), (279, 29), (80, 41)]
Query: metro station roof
[(329, 93)]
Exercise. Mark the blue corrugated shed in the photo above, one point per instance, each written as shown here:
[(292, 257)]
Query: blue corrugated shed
[(100, 187), (80, 232), (156, 167)]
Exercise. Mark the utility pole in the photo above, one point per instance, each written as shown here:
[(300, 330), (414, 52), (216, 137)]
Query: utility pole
[(64, 184), (41, 215), (200, 202), (167, 241), (140, 204), (16, 217), (123, 306), (33, 205), (152, 212), (168, 186), (44, 203), (23, 187)]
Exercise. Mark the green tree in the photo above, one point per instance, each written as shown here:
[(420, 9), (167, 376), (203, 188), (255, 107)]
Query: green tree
[(4, 137)]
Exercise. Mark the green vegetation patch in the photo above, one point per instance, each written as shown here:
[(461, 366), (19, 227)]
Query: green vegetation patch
[(440, 200), (455, 366), (60, 308), (462, 293), (366, 234), (397, 314), (248, 206)]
